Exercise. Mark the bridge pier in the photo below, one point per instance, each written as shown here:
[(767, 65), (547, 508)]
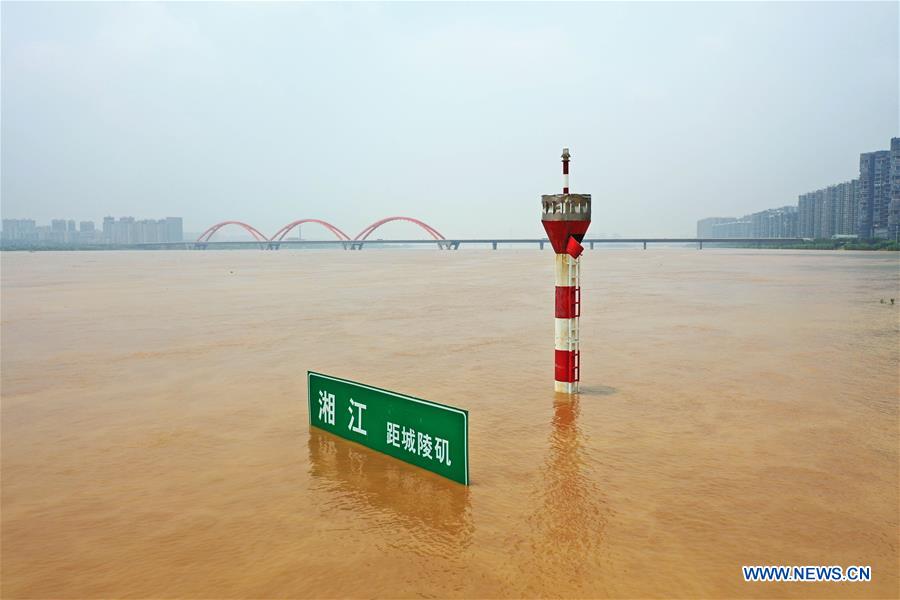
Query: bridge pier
[(645, 245), (592, 245), (494, 244), (700, 245), (541, 244)]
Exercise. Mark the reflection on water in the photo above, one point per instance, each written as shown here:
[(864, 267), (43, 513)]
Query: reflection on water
[(570, 518), (391, 494)]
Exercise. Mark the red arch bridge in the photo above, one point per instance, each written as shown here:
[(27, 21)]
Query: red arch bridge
[(354, 243)]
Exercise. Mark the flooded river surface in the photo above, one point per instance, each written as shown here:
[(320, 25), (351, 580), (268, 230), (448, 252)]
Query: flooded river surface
[(738, 407)]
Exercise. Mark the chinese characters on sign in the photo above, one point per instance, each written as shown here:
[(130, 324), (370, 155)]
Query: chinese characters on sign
[(357, 416), (326, 407), (420, 443), (427, 434)]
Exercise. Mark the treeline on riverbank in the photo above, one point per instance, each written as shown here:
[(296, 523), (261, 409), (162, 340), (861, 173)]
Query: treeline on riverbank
[(829, 244), (46, 247)]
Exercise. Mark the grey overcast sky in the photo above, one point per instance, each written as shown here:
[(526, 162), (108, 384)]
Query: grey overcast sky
[(454, 113)]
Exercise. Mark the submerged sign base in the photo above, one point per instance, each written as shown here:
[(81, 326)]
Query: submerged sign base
[(427, 434)]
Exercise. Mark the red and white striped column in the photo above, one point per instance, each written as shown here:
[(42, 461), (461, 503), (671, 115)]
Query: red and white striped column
[(568, 309), (566, 218)]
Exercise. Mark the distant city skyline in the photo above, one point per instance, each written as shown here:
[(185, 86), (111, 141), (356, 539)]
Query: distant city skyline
[(443, 111), (867, 207), (123, 231)]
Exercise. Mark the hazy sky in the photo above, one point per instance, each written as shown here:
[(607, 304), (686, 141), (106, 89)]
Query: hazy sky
[(453, 113)]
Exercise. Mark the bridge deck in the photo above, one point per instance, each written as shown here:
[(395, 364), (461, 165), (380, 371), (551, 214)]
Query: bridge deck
[(456, 242)]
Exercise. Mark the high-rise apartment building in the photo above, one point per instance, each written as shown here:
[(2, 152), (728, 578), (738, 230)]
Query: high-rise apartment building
[(174, 229), (108, 225), (806, 215), (127, 230), (894, 206), (874, 193), (830, 211), (736, 228), (705, 226), (774, 223), (87, 233), (124, 231), (19, 229), (58, 231), (846, 221), (824, 214)]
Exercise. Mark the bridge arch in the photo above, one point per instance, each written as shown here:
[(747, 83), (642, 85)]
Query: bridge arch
[(362, 235), (257, 234), (279, 235)]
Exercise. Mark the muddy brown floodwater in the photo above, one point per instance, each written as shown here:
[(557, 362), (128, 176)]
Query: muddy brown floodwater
[(737, 408)]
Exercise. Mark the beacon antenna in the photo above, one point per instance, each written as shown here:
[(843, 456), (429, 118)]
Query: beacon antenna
[(566, 218)]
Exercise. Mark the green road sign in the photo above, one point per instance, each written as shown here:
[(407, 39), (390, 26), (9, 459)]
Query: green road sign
[(426, 434)]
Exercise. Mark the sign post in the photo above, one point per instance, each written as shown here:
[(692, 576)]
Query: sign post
[(427, 434)]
